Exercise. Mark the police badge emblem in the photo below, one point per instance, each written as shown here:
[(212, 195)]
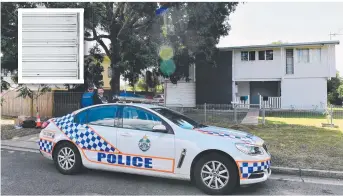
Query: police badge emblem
[(144, 144)]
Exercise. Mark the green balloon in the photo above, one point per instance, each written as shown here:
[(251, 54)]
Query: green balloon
[(168, 67)]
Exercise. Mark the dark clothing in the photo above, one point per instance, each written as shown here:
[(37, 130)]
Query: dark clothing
[(99, 100)]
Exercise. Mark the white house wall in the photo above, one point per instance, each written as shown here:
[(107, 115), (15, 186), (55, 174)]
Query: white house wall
[(258, 69), (181, 94), (304, 93), (269, 70), (243, 89)]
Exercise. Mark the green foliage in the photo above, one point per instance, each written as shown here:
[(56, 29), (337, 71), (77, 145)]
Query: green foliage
[(333, 90), (9, 33), (4, 84), (24, 91), (134, 32)]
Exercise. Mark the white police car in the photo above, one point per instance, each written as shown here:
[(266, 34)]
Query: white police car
[(155, 141)]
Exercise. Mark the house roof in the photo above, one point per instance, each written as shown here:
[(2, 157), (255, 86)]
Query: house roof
[(279, 45)]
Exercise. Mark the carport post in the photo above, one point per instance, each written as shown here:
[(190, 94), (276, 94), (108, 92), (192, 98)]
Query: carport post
[(205, 107), (235, 112)]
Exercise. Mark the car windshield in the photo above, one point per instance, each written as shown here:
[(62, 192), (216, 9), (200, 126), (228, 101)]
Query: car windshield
[(179, 119)]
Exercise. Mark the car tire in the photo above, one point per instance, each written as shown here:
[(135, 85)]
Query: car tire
[(74, 163), (203, 177)]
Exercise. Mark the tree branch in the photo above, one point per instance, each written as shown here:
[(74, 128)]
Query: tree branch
[(103, 45), (97, 37)]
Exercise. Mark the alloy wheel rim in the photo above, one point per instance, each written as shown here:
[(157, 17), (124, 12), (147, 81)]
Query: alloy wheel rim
[(66, 158), (215, 175)]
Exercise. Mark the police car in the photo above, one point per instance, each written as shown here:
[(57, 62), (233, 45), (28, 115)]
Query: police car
[(155, 141)]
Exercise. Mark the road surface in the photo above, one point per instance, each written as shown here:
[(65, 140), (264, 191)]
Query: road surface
[(29, 173)]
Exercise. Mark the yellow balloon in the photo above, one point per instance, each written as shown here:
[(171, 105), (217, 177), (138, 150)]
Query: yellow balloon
[(166, 52)]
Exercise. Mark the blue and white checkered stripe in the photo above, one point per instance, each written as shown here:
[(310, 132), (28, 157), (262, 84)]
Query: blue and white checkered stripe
[(86, 139), (247, 168), (45, 145)]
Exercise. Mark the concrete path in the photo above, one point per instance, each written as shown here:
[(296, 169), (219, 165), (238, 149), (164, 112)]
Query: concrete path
[(30, 141), (251, 118)]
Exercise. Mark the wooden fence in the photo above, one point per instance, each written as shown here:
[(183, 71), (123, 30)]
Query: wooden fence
[(16, 106)]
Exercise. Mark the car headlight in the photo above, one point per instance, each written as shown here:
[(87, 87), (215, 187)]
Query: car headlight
[(249, 149)]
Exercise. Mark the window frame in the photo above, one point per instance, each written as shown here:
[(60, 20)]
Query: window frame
[(253, 51), (120, 118), (115, 117), (301, 57), (272, 53), (242, 56), (264, 55)]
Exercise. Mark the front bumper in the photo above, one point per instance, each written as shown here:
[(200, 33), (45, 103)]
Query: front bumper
[(256, 177)]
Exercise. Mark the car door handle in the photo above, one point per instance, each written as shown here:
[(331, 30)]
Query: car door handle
[(126, 134)]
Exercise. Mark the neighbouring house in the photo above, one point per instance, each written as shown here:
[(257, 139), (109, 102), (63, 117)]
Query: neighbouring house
[(289, 75)]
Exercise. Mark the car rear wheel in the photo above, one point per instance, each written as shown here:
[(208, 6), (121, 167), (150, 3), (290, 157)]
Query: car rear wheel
[(67, 159), (215, 174)]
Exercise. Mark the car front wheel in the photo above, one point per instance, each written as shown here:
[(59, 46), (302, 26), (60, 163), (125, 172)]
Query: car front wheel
[(67, 159), (215, 174)]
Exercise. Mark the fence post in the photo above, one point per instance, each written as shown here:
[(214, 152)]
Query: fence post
[(235, 112), (205, 107), (263, 114), (331, 115)]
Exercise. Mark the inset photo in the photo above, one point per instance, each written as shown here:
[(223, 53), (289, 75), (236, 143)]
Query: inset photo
[(50, 46)]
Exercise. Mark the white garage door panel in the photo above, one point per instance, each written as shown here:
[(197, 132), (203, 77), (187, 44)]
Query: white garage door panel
[(49, 50), (304, 93), (48, 35), (182, 93), (36, 66), (50, 45), (46, 18)]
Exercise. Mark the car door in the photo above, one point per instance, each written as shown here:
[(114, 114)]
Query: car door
[(143, 148), (99, 134)]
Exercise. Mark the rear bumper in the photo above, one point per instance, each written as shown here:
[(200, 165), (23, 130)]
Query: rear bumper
[(252, 180)]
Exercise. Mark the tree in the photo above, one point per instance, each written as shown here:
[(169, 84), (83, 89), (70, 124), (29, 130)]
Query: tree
[(134, 32), (279, 42), (333, 91), (24, 92)]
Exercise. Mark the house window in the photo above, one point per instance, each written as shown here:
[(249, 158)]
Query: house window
[(269, 54), (109, 72), (248, 56), (244, 56), (261, 55), (303, 55), (252, 55), (316, 55)]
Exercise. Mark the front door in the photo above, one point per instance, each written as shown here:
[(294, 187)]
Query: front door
[(255, 99), (140, 147)]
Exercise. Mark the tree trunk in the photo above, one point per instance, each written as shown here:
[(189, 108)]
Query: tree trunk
[(115, 81)]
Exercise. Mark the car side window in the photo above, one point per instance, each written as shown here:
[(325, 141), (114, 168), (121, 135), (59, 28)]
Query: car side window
[(81, 118), (102, 115), (139, 119)]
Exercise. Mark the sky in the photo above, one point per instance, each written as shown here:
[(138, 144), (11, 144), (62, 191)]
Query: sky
[(265, 22)]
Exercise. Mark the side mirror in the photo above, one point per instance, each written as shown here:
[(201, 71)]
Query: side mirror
[(160, 128)]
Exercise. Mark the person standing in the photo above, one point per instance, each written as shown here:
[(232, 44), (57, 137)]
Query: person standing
[(99, 98), (87, 98)]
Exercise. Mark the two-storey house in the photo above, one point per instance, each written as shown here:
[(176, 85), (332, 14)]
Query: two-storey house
[(290, 75)]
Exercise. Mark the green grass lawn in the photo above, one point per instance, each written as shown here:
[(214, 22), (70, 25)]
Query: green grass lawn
[(300, 146)]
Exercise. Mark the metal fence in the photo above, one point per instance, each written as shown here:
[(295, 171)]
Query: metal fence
[(61, 103)]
